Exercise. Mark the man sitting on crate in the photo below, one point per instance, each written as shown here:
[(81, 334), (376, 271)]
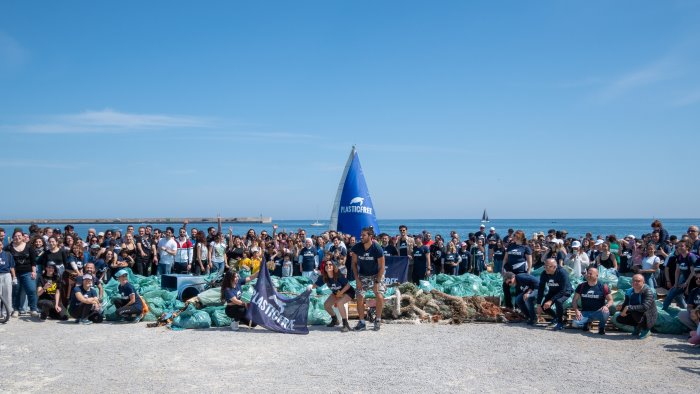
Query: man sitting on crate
[(596, 302), (558, 291)]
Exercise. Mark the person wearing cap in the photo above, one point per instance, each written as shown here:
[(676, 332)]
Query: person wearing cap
[(491, 238), (84, 304), (128, 303), (577, 260), (554, 251), (49, 297), (97, 277), (596, 301), (639, 309), (526, 288), (559, 289), (595, 250), (481, 232)]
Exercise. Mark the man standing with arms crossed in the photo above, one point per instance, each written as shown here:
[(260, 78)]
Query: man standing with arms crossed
[(368, 267)]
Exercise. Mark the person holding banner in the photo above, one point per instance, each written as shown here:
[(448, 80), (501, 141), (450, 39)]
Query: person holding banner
[(421, 261), (231, 294), (368, 267), (341, 293)]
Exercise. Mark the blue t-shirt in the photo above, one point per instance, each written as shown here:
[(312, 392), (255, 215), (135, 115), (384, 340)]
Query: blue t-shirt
[(308, 258), (517, 258), (592, 297), (686, 264), (336, 284), (499, 254), (126, 290), (100, 267), (6, 262), (368, 259), (235, 292), (693, 297), (451, 258), (74, 302), (525, 282), (420, 259)]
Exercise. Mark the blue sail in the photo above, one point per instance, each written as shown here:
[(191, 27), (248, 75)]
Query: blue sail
[(354, 208)]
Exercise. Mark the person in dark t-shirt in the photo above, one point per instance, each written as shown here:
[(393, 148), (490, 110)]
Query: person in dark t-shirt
[(596, 302), (368, 268)]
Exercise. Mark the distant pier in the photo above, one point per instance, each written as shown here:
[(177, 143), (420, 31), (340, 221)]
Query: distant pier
[(251, 219)]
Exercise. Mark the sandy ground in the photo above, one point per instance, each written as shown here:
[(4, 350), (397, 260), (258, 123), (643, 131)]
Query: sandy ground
[(40, 356)]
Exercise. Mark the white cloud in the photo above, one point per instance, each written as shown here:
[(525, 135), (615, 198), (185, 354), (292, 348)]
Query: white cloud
[(109, 121), (664, 69)]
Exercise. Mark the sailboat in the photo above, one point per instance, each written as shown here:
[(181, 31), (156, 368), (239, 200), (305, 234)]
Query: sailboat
[(352, 208), (484, 217)]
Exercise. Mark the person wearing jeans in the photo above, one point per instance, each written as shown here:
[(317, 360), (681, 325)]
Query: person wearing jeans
[(685, 261), (526, 287), (596, 302)]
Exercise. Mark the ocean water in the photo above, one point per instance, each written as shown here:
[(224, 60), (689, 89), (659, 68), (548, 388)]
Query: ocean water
[(575, 227)]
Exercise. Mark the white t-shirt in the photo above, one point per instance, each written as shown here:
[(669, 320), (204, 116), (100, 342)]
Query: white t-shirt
[(648, 262), (218, 254), (165, 257)]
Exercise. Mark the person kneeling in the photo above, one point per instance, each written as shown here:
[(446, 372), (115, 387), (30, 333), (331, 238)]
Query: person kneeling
[(341, 294), (128, 303), (596, 301), (49, 296), (639, 308), (231, 291), (84, 303), (526, 287)]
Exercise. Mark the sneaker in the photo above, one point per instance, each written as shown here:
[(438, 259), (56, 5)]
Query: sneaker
[(234, 325), (136, 319), (635, 333), (34, 313), (43, 316), (644, 333), (360, 326), (77, 321), (559, 327), (14, 314), (85, 322), (333, 323), (601, 330), (377, 325), (553, 322)]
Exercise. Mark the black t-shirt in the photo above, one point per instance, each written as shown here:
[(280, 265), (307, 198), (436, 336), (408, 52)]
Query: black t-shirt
[(23, 261), (235, 253), (126, 290), (498, 254), (693, 297), (402, 246), (59, 258), (50, 292), (336, 284), (436, 253), (390, 250), (367, 259)]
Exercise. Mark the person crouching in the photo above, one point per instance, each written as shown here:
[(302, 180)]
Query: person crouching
[(84, 303), (129, 305)]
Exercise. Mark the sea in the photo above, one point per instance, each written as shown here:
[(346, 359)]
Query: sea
[(575, 227)]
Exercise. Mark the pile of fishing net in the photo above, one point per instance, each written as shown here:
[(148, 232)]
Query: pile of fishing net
[(411, 302)]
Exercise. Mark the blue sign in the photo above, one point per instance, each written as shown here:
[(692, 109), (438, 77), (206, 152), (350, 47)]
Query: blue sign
[(355, 210), (395, 269), (276, 312)]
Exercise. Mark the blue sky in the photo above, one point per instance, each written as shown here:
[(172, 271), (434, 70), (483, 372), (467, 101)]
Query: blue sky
[(529, 109)]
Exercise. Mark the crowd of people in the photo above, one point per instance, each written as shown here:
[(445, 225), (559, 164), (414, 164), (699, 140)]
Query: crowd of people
[(61, 273)]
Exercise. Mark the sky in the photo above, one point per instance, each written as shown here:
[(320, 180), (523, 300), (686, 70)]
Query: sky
[(548, 109)]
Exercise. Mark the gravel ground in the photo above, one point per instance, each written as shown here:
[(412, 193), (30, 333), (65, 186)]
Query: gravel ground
[(39, 356)]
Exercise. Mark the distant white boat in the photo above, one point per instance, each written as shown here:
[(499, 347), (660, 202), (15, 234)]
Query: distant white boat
[(484, 217), (317, 224)]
